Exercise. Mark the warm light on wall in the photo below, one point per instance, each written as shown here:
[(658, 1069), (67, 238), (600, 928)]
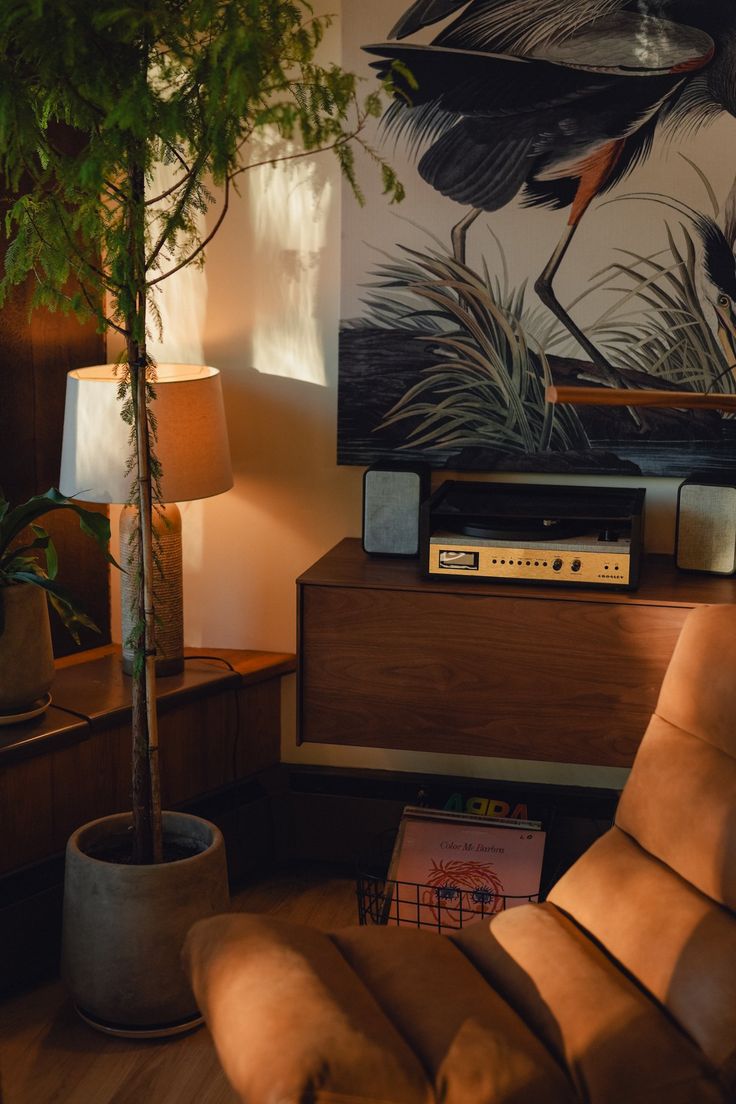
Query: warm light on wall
[(181, 301), (291, 205)]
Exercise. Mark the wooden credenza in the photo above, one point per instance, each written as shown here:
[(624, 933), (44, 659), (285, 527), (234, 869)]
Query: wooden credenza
[(389, 659)]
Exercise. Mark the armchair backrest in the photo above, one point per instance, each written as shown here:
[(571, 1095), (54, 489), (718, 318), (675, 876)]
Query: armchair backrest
[(680, 801), (658, 891)]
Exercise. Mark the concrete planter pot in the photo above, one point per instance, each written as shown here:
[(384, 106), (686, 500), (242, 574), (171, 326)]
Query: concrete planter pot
[(26, 655), (124, 926)]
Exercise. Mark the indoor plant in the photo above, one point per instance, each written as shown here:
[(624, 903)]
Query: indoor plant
[(28, 569), (210, 87)]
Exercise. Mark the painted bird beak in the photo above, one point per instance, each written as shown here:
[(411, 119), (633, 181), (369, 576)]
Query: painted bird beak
[(727, 334)]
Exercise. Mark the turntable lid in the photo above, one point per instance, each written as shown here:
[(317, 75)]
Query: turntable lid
[(537, 502)]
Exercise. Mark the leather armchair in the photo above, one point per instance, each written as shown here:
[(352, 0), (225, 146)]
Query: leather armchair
[(619, 989)]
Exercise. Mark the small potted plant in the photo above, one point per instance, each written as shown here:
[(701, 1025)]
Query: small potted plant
[(28, 583)]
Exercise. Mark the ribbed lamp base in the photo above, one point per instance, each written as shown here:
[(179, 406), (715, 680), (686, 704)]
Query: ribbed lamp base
[(167, 589)]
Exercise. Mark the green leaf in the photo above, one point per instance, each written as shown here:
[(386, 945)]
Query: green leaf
[(96, 525)]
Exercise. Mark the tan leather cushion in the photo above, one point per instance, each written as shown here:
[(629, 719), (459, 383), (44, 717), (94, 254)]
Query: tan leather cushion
[(473, 1045), (673, 939), (680, 798), (619, 1047), (679, 803), (291, 1021), (698, 692), (294, 1023)]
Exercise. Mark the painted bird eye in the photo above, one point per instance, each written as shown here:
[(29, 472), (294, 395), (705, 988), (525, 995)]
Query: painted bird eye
[(723, 301)]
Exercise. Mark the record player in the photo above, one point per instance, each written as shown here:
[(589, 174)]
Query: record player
[(538, 533)]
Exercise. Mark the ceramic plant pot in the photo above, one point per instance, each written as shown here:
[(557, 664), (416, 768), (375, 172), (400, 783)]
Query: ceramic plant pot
[(26, 655), (124, 925)]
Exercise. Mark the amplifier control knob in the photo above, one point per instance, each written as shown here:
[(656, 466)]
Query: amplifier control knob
[(557, 565), (576, 565)]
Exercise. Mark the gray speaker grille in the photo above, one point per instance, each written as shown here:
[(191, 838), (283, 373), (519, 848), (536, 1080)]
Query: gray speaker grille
[(706, 532), (391, 513)]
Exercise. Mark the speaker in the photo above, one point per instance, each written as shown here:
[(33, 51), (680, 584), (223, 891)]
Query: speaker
[(706, 524), (392, 495)]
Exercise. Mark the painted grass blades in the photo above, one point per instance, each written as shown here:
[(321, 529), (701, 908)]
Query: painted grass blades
[(657, 324), (486, 386)]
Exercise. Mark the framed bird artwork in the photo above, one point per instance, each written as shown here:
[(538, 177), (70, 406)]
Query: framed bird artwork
[(569, 222)]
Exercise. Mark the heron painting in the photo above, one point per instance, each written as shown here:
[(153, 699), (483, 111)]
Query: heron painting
[(570, 170)]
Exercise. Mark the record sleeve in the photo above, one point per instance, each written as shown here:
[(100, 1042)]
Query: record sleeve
[(450, 870)]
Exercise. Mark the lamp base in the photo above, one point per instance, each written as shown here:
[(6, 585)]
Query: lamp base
[(164, 667), (167, 588)]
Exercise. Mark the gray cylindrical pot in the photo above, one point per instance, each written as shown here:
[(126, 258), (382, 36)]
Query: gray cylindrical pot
[(26, 656), (124, 926)]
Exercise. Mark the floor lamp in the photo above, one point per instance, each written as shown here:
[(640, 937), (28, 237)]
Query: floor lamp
[(192, 447)]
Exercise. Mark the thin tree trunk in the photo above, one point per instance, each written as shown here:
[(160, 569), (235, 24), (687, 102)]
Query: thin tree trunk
[(147, 842)]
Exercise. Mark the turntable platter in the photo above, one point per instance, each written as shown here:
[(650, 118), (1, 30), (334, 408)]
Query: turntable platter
[(528, 529)]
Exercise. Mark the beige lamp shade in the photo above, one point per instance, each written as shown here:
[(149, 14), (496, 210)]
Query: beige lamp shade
[(192, 444)]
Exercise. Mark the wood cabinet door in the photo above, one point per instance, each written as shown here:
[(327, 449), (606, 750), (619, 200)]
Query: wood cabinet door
[(564, 681)]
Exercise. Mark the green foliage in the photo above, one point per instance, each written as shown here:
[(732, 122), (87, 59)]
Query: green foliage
[(486, 386), (93, 97), (20, 563), (92, 93)]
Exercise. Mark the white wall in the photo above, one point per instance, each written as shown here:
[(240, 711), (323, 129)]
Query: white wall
[(272, 293)]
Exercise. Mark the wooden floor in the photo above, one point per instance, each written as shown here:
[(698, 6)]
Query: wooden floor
[(48, 1056)]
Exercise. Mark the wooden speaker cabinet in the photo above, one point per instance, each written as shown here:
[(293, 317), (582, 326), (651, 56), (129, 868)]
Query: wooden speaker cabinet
[(388, 659)]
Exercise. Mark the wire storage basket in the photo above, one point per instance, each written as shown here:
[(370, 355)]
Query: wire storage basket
[(440, 908)]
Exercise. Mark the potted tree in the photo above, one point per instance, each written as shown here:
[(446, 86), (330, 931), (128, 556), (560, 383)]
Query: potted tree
[(28, 582), (194, 84)]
